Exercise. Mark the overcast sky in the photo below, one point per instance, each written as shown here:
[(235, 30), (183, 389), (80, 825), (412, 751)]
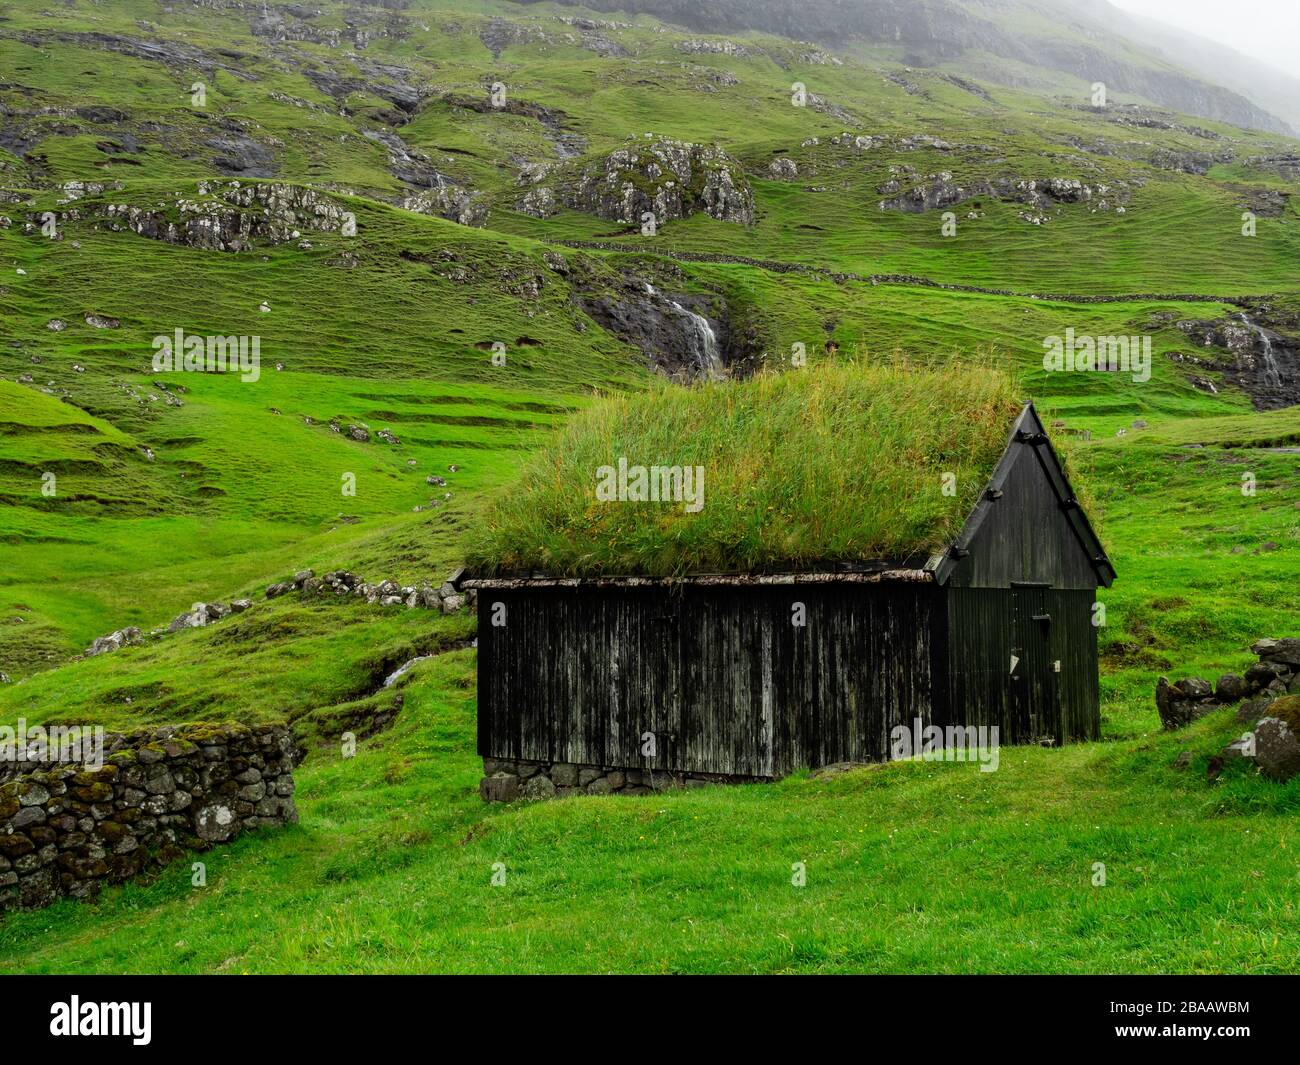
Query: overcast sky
[(1265, 29)]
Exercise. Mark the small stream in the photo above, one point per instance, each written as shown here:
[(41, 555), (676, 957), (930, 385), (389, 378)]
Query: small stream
[(403, 669)]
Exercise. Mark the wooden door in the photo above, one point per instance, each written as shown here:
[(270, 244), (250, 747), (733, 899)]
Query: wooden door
[(1035, 715)]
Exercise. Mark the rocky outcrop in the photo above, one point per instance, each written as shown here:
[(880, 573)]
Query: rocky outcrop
[(540, 202), (592, 34), (1262, 362), (203, 614), (700, 46), (1188, 162), (671, 179), (937, 191), (223, 216), (446, 199), (362, 24), (238, 153), (783, 169), (675, 333), (940, 190), (76, 190), (1287, 166), (141, 802)]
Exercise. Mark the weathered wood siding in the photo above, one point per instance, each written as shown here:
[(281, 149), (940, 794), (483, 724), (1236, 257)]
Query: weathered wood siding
[(721, 675), (1074, 643), (986, 627), (1025, 535)]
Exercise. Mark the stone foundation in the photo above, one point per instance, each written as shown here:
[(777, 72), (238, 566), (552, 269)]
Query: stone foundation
[(68, 829), (505, 780)]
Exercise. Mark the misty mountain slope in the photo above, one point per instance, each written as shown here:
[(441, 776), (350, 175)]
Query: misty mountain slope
[(1053, 37), (1273, 90)]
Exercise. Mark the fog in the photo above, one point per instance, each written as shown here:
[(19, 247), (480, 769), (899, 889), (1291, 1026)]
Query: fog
[(1268, 30)]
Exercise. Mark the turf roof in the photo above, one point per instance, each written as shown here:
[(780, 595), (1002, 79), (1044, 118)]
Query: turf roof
[(846, 462)]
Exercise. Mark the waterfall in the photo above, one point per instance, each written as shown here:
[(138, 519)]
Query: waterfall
[(704, 352), (1272, 375)]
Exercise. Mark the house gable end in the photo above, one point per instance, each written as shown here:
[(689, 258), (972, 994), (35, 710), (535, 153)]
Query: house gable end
[(1028, 526)]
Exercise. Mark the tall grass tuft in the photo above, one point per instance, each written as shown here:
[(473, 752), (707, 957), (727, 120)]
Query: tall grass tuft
[(844, 461)]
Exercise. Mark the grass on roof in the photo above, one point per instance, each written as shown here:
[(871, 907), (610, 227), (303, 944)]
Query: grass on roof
[(840, 462)]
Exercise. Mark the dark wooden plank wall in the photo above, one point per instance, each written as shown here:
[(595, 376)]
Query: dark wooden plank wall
[(979, 656), (981, 635), (1074, 642), (764, 697), (720, 674), (576, 675)]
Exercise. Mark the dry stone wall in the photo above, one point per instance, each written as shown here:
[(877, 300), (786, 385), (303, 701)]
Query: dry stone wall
[(70, 829)]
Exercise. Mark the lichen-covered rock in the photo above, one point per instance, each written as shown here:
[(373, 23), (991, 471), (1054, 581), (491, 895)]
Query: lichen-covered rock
[(1253, 709), (223, 216), (215, 822), (446, 199), (114, 641), (783, 169), (1277, 748), (539, 787), (1182, 702), (194, 618), (540, 202), (667, 178)]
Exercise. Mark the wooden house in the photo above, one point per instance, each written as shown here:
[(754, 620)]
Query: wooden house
[(623, 683)]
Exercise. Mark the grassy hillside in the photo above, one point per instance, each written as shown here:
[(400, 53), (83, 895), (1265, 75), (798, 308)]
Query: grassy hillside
[(479, 346)]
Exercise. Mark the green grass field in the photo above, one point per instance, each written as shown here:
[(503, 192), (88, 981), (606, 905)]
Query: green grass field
[(911, 867)]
